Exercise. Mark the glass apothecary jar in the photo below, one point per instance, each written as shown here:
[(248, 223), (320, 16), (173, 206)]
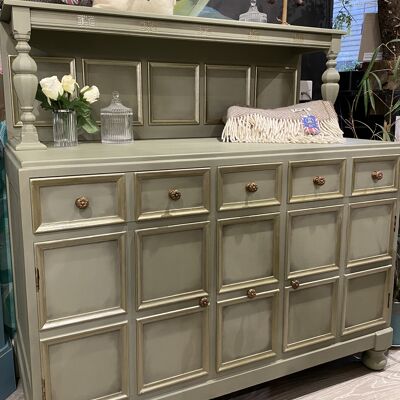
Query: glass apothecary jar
[(116, 122)]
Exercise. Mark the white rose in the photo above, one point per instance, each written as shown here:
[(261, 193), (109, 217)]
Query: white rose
[(91, 94), (52, 87), (68, 83)]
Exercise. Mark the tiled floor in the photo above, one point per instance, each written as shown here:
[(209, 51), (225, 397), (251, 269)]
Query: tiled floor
[(345, 379)]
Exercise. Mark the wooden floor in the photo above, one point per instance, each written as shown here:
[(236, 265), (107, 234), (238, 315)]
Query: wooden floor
[(345, 379)]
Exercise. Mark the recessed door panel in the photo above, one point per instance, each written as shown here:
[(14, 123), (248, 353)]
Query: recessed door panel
[(371, 232), (246, 330), (248, 250), (310, 313), (81, 279), (87, 366), (366, 299), (275, 87), (225, 86), (313, 241), (172, 348), (171, 264), (127, 81), (173, 93)]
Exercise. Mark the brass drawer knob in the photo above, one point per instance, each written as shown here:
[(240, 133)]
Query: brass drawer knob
[(82, 203), (319, 180), (377, 175), (204, 302), (295, 284), (252, 187), (174, 194), (251, 293)]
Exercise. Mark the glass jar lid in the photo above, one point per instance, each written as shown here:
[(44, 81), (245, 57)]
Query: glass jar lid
[(116, 107)]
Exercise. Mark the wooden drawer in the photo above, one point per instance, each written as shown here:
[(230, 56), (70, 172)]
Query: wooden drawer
[(316, 180), (77, 201), (248, 186), (172, 193), (375, 175)]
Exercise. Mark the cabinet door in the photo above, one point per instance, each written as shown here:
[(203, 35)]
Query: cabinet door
[(370, 232), (86, 366), (313, 241), (310, 315), (367, 300), (171, 264), (248, 251), (247, 329), (81, 279), (172, 348)]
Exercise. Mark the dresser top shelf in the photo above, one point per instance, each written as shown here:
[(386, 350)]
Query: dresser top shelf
[(46, 16), (178, 150)]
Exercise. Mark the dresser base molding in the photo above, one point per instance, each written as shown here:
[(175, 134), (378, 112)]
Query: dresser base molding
[(220, 387)]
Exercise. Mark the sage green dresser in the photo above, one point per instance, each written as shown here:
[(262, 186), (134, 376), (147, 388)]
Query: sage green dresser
[(183, 267)]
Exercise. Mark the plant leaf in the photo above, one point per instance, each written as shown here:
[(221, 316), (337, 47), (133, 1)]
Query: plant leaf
[(377, 79), (396, 69)]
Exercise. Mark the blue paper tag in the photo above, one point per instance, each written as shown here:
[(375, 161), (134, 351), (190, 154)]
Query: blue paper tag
[(310, 124)]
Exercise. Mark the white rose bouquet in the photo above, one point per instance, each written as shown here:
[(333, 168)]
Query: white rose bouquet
[(65, 95)]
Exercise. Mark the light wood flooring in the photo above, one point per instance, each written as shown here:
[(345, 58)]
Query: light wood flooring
[(345, 379)]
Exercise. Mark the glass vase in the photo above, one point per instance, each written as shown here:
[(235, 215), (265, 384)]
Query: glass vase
[(64, 128)]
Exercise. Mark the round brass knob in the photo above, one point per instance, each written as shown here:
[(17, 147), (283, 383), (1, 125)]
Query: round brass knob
[(174, 194), (251, 293), (204, 302), (252, 187), (319, 180), (377, 175), (82, 202), (295, 284)]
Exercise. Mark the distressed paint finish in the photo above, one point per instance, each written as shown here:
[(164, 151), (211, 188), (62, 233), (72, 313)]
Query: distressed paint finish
[(25, 80), (208, 321), (162, 81), (176, 336)]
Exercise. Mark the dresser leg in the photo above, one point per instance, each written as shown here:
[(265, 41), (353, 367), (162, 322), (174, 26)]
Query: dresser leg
[(375, 360)]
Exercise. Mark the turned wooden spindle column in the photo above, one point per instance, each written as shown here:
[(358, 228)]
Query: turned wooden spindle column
[(330, 79), (25, 83)]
